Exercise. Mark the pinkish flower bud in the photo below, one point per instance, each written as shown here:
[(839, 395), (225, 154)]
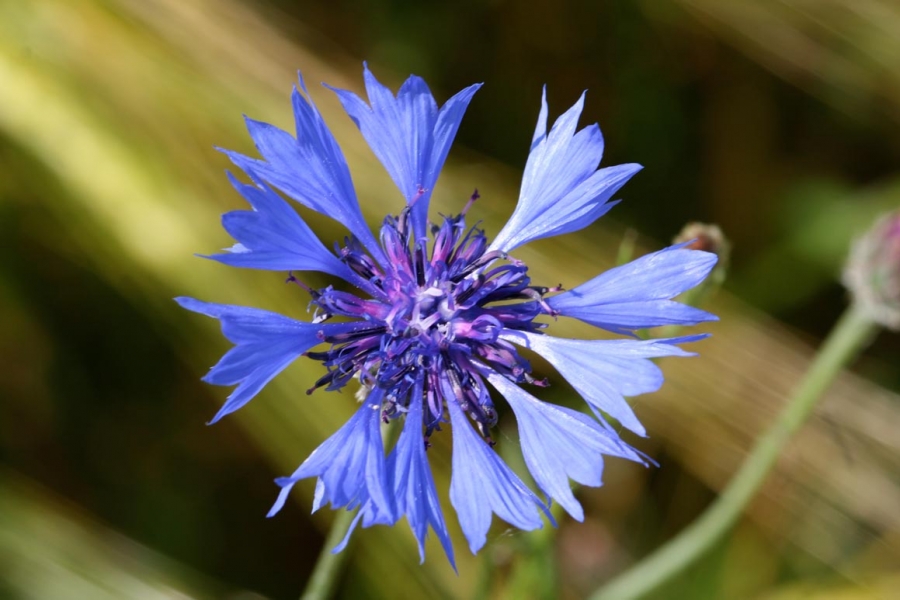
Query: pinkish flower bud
[(705, 237), (872, 273), (709, 238)]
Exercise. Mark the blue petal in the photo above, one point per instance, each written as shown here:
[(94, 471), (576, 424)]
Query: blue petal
[(310, 169), (604, 371), (482, 484), (408, 134), (540, 130), (414, 485), (265, 343), (561, 444), (637, 295), (273, 236), (369, 514), (350, 465), (346, 539), (562, 190), (410, 478)]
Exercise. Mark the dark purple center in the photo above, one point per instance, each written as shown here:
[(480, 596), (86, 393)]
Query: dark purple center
[(435, 323)]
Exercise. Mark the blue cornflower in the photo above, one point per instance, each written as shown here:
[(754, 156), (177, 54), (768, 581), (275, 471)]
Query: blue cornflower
[(441, 314)]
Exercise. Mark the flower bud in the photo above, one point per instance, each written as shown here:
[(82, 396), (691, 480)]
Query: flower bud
[(705, 237), (872, 273), (708, 238)]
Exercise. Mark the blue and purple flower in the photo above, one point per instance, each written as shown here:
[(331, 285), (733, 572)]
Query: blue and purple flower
[(441, 315)]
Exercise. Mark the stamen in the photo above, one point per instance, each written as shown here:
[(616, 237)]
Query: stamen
[(475, 196), (292, 279), (539, 298)]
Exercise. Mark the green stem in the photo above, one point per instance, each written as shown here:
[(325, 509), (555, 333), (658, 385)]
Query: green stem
[(329, 566), (848, 337), (626, 247)]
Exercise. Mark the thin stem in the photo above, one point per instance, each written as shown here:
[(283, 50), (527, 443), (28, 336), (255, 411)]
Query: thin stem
[(626, 247), (850, 335), (329, 566)]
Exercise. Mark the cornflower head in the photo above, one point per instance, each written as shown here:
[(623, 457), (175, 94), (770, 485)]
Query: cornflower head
[(441, 313), (872, 272)]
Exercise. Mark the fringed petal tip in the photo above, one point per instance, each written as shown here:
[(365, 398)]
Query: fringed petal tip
[(272, 236), (198, 306), (562, 189), (310, 168), (414, 485), (408, 133), (350, 466), (482, 484), (559, 444), (286, 485), (637, 295), (265, 343)]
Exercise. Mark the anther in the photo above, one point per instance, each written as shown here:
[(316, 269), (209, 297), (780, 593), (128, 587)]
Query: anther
[(420, 191), (547, 290)]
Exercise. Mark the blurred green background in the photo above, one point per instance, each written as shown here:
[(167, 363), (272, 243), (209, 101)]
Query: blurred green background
[(777, 119)]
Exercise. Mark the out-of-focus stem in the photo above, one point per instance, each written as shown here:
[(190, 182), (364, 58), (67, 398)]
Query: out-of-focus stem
[(329, 566), (626, 247), (850, 335)]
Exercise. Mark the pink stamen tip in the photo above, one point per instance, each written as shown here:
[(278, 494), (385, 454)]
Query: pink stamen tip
[(419, 193)]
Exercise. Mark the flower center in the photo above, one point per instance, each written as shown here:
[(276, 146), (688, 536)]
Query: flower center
[(432, 331)]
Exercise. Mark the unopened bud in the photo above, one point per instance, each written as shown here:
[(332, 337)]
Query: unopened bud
[(708, 238), (872, 273), (705, 237)]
